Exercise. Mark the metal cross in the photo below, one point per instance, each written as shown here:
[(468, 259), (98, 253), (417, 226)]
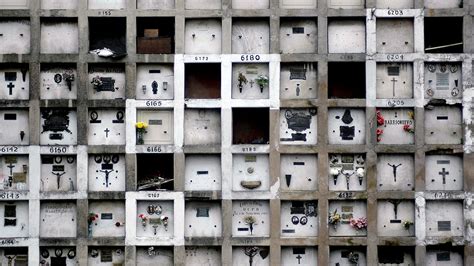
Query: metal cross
[(10, 87), (394, 80), (444, 174), (11, 166), (394, 167), (299, 258), (58, 175), (251, 83), (106, 132), (395, 206), (107, 172)]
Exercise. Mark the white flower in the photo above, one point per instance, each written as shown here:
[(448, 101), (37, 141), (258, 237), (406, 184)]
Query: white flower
[(334, 171), (360, 172)]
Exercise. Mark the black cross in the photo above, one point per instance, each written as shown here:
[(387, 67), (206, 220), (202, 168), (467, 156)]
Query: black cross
[(106, 132), (444, 174), (10, 87), (394, 167), (251, 83), (107, 172), (299, 258), (395, 206), (394, 80), (58, 175)]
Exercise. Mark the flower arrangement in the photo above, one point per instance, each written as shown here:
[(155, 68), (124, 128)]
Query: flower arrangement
[(144, 219), (334, 219), (380, 119), (141, 129), (335, 172), (353, 257), (379, 134), (360, 173), (262, 81), (358, 224), (250, 221), (96, 82), (242, 80), (408, 128), (92, 217), (406, 224)]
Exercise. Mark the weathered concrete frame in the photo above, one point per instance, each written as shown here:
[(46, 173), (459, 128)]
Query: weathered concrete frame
[(322, 149)]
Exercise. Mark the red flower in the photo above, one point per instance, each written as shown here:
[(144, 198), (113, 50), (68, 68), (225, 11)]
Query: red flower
[(379, 131), (380, 119)]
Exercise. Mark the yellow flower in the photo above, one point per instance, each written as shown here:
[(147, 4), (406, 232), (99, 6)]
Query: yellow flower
[(139, 125), (145, 125)]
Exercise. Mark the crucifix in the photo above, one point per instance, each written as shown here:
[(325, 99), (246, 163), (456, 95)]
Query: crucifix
[(10, 87), (107, 130), (251, 252), (10, 259), (347, 175), (299, 258), (10, 177), (444, 174), (107, 172), (394, 80), (58, 175), (394, 167), (251, 83), (395, 209)]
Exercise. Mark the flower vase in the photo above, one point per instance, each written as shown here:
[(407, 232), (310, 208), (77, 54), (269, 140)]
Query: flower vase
[(89, 230), (140, 140), (261, 88)]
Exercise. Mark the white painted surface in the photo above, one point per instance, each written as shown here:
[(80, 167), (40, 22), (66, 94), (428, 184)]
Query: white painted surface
[(161, 209), (394, 4), (298, 81), (107, 4), (62, 137), (395, 35), (298, 36), (395, 120), (250, 4), (250, 36), (300, 171), (203, 36), (395, 172), (15, 168), (106, 172), (107, 227), (336, 126), (14, 4), (449, 166), (443, 81), (115, 76), (347, 210), (19, 81), (108, 128), (202, 126), (394, 81), (59, 4), (202, 172), (250, 90), (53, 84), (346, 4), (449, 212), (390, 225), (294, 128), (252, 168), (346, 36), (197, 255), (443, 125), (200, 4), (259, 210), (58, 173), (299, 219), (305, 256), (150, 256), (151, 76), (16, 37), (160, 126), (348, 179), (203, 219), (53, 212), (298, 4), (156, 4), (20, 229), (12, 123), (59, 38)]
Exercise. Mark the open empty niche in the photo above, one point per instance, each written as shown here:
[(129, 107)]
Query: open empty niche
[(298, 35), (353, 83), (250, 35), (250, 4), (390, 255), (15, 36), (202, 4), (150, 256), (155, 35), (250, 125), (17, 256), (57, 4), (108, 33), (346, 35), (156, 4), (202, 81), (443, 34), (155, 172), (59, 36)]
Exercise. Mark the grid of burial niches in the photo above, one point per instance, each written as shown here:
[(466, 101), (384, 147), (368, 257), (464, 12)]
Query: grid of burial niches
[(203, 80)]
